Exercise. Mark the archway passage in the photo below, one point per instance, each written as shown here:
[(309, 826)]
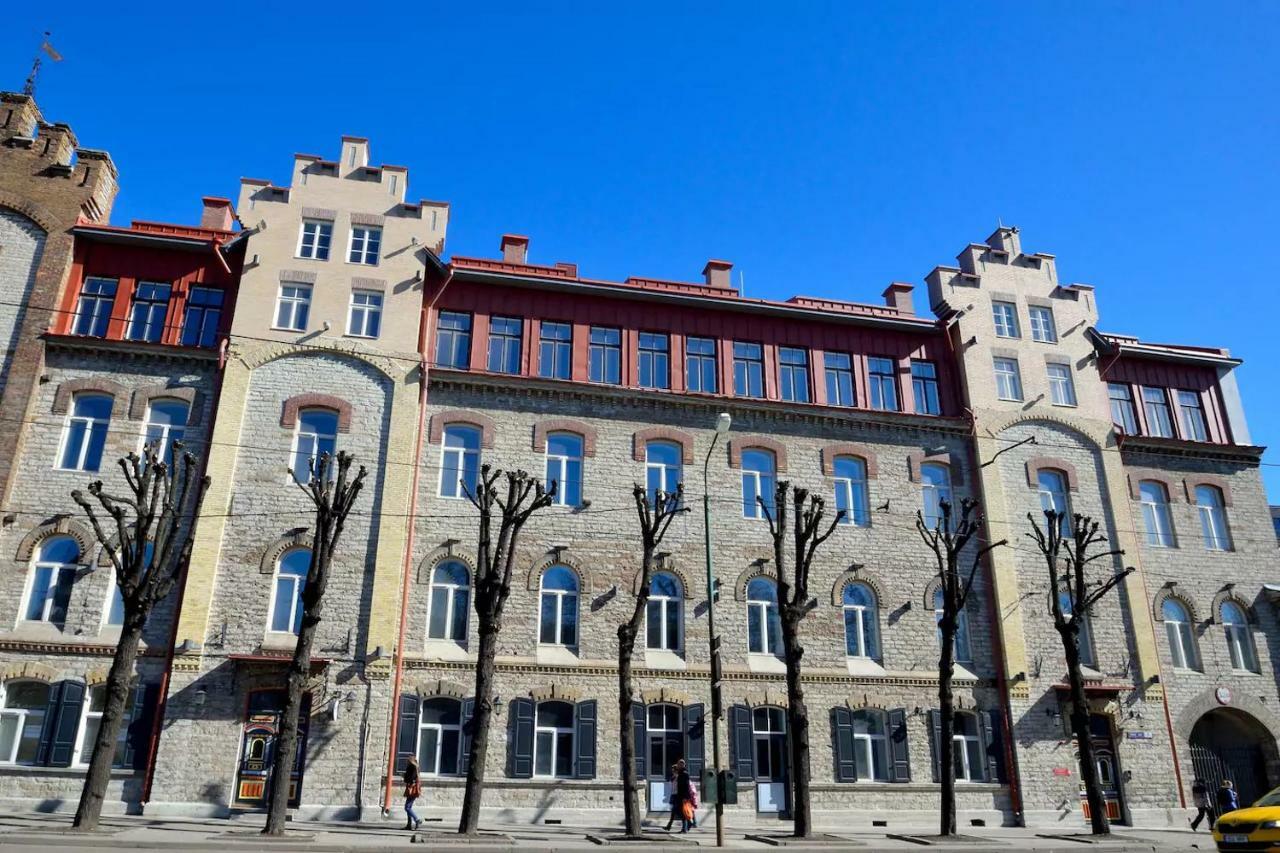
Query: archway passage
[(1229, 744)]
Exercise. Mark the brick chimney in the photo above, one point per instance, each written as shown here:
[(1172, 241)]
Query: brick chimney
[(515, 249), (717, 274), (898, 295), (218, 213)]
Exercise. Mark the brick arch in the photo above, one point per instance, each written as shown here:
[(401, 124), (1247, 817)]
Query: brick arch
[(1241, 702), (640, 440), (931, 589), (670, 569), (1168, 592), (545, 427), (440, 420), (438, 688), (143, 396), (291, 407), (257, 356), (759, 569), (665, 696), (38, 214), (443, 555), (62, 397), (533, 581), (737, 445), (273, 552), (1228, 593), (866, 702), (60, 526), (1139, 475), (554, 692), (1094, 436), (917, 459), (29, 671), (846, 448), (856, 576), (1220, 483), (770, 697), (1036, 464)]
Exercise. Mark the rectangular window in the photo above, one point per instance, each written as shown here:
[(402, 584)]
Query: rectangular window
[(1156, 404), (1191, 416), (314, 239), (204, 316), (924, 385), (1042, 326), (882, 376), (555, 350), (1008, 379), (1005, 315), (366, 242), (453, 340), (839, 370), (793, 374), (604, 356), (700, 365), (93, 312), (1123, 415), (748, 369), (365, 318), (292, 307), (504, 344), (653, 360), (147, 313), (1062, 388)]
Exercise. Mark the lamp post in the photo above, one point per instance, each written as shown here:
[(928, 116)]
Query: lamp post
[(723, 422)]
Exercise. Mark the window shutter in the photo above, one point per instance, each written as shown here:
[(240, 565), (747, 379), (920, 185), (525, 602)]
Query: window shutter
[(899, 755), (993, 740), (639, 730), (584, 736), (935, 738), (842, 740), (695, 726), (50, 722), (407, 733), (521, 756), (138, 727), (66, 725), (742, 743), (468, 730)]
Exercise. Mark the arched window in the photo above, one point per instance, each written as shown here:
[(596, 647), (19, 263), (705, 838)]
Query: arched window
[(440, 737), (84, 436), (50, 580), (166, 423), (935, 488), (769, 730), (861, 623), (662, 460), (450, 595), (286, 594), (459, 461), (665, 626), (553, 740), (871, 744), (564, 467), (851, 490), (22, 709), (758, 472), (1182, 642), (1155, 513), (1085, 637), (115, 600), (1239, 638), (1213, 518), (1053, 497), (966, 748), (764, 623), (90, 720), (962, 650), (315, 435), (558, 619)]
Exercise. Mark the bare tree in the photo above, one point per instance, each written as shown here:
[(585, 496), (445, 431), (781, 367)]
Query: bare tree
[(491, 586), (794, 603), (1065, 545), (948, 542), (654, 522), (333, 498), (150, 546)]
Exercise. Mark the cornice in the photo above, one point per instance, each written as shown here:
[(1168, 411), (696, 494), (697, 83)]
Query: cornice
[(131, 349)]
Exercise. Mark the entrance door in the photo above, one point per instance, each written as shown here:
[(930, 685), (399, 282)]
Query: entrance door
[(768, 726), (664, 734), (257, 747), (1104, 757), (1229, 744)]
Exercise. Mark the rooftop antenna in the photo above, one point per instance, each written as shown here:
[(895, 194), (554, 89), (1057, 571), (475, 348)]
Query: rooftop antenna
[(742, 284), (29, 88)]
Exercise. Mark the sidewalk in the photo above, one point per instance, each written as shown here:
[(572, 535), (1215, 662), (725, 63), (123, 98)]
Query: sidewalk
[(49, 834)]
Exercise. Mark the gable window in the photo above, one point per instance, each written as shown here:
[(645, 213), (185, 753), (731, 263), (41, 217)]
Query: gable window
[(1156, 404), (861, 622), (504, 344), (1235, 624), (364, 319), (84, 436), (450, 594), (1123, 414), (50, 581), (758, 471), (453, 340), (793, 370), (203, 316), (662, 462), (292, 307), (1062, 388), (653, 362), (764, 623), (1042, 325), (700, 365), (22, 709), (748, 369), (839, 375), (663, 622), (93, 311), (314, 239), (1155, 514), (440, 737), (1182, 642), (459, 461), (1053, 498), (166, 423), (147, 313), (962, 651), (1191, 416), (365, 245), (883, 383), (558, 614), (555, 350), (1213, 518), (315, 435), (553, 745), (851, 490), (564, 467), (935, 490), (924, 385), (1005, 315), (1085, 637), (286, 594), (604, 356), (90, 721), (966, 747), (1008, 379)]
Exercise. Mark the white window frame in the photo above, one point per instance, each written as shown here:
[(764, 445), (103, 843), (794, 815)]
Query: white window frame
[(1056, 495), (1240, 648), (1196, 429), (760, 609), (84, 751), (315, 440), (1214, 531), (560, 595), (100, 304), (664, 604), (113, 589), (754, 477), (299, 303), (463, 454), (58, 570), (1157, 517), (369, 313), (11, 760), (767, 734), (1004, 315), (1062, 385), (1182, 642), (862, 614), (146, 326), (449, 590), (1043, 327), (1085, 637), (868, 743), (1158, 427), (167, 432), (666, 473), (90, 423), (296, 583), (963, 647), (855, 489), (439, 729), (661, 734), (359, 251), (959, 738), (555, 731), (1008, 376), (932, 495), (322, 227), (558, 464)]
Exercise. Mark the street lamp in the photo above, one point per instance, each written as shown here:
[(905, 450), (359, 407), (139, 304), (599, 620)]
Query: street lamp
[(723, 422)]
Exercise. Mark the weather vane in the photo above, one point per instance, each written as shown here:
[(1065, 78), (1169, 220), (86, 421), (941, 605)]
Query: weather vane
[(29, 88)]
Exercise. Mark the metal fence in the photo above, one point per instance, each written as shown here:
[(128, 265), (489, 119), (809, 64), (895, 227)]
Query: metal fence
[(1241, 764)]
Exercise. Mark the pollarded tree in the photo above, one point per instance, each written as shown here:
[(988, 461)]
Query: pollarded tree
[(1065, 544), (148, 549)]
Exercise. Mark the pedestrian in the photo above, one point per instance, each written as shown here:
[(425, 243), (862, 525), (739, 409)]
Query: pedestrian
[(1228, 799), (684, 790), (1203, 804), (412, 790), (693, 799), (674, 798)]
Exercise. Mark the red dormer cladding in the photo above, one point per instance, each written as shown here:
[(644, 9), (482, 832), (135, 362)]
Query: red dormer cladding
[(1178, 385)]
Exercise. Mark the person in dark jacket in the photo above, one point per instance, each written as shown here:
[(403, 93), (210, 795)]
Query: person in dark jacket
[(1203, 804), (684, 795), (673, 777), (1228, 799), (412, 790)]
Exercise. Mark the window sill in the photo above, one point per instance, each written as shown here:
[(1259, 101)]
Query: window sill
[(307, 258), (361, 264), (444, 650), (864, 666), (78, 772), (1245, 673), (289, 331), (557, 654), (663, 659), (1066, 405), (1011, 399), (277, 640), (361, 337), (765, 663)]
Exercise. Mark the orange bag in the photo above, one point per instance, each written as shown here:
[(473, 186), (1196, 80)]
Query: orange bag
[(687, 808)]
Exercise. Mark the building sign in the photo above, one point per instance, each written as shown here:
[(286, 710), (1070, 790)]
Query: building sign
[(1223, 695), (1138, 735), (1062, 771)]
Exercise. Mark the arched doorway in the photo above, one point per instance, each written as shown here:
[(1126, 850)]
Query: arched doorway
[(1227, 743)]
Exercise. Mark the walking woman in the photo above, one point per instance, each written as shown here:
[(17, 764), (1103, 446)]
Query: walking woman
[(1203, 804), (684, 791), (412, 790), (673, 777)]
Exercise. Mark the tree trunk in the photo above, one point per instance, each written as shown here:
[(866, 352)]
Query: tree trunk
[(469, 823), (626, 731), (947, 720), (286, 746), (96, 780), (797, 728), (1084, 740)]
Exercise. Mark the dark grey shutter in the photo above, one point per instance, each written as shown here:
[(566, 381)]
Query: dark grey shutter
[(584, 723), (520, 758), (639, 733), (407, 732), (695, 726), (935, 745), (468, 729), (742, 744), (66, 725), (50, 722), (899, 754), (993, 741), (143, 704)]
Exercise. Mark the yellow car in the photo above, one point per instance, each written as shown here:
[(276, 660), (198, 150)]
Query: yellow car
[(1256, 827)]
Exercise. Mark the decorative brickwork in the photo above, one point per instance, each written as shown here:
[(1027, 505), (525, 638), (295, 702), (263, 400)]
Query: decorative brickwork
[(777, 448), (1051, 463), (831, 451), (1201, 479), (641, 438), (142, 398), (443, 419), (919, 458), (543, 428), (290, 408), (91, 385)]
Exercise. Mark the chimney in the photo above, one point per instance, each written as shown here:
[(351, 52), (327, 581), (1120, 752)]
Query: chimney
[(218, 213), (1006, 239), (717, 274), (515, 249), (898, 296)]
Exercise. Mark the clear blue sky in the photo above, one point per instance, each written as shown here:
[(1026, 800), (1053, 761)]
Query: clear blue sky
[(824, 149)]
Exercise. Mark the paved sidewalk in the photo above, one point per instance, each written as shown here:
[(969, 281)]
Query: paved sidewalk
[(50, 834)]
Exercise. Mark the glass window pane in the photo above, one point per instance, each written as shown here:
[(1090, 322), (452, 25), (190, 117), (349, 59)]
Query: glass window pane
[(569, 620), (542, 749)]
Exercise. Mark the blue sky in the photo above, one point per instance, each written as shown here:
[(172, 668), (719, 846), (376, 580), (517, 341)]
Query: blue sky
[(825, 149)]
